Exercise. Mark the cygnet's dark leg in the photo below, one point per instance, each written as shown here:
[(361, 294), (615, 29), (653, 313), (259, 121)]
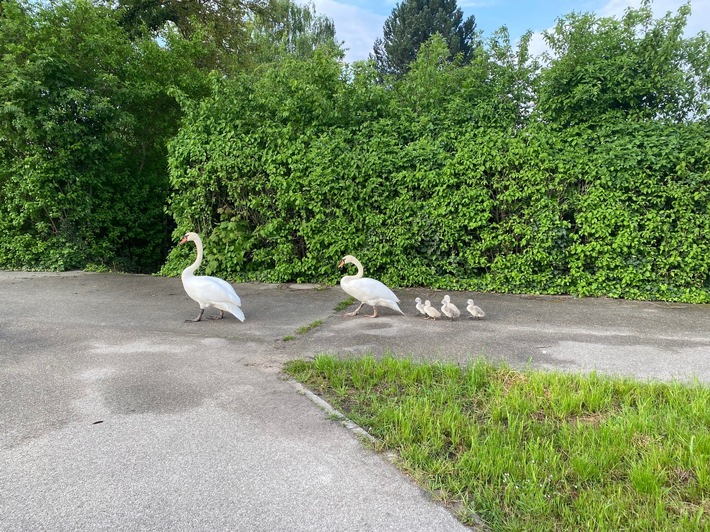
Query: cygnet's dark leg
[(198, 318), (221, 315), (354, 313)]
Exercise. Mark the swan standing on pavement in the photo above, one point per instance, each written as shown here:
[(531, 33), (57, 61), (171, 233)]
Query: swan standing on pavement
[(431, 311), (420, 307), (368, 291), (209, 291), (450, 310), (475, 311)]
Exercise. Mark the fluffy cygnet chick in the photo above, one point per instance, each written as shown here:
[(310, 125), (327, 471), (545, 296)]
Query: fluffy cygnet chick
[(450, 310), (431, 311), (475, 311)]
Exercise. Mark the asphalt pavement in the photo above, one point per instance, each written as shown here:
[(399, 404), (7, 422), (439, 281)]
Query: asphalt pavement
[(115, 414)]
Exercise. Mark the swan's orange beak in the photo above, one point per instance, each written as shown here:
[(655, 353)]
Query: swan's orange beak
[(341, 263), (184, 239)]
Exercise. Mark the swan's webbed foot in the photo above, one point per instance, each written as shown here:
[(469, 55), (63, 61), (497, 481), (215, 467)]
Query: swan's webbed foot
[(221, 315), (373, 315), (198, 318), (354, 312)]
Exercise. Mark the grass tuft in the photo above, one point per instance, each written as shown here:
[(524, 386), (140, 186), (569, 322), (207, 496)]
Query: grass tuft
[(533, 450), (344, 304), (309, 327), (303, 330)]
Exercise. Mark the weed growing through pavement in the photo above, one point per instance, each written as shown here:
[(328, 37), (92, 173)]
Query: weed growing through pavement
[(344, 304), (303, 330)]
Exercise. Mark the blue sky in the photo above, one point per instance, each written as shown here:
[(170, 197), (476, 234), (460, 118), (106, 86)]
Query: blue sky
[(359, 22)]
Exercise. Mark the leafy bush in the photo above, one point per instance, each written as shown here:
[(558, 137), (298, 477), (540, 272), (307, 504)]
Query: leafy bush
[(586, 174), (443, 178), (83, 131)]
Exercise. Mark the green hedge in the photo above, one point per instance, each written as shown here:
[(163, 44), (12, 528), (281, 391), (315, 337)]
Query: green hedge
[(85, 117), (585, 175), (286, 171)]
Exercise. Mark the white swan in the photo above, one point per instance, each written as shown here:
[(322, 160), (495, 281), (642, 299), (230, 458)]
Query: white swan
[(368, 291), (475, 311), (450, 310), (209, 291), (431, 311), (420, 307)]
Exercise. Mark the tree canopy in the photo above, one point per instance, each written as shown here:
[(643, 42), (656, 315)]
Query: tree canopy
[(411, 24), (634, 67), (222, 25), (290, 29)]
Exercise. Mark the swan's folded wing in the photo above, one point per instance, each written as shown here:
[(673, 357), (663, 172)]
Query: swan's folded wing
[(366, 289), (213, 290)]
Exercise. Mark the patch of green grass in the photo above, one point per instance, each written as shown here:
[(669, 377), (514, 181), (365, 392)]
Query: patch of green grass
[(303, 330), (533, 450), (309, 327), (344, 304)]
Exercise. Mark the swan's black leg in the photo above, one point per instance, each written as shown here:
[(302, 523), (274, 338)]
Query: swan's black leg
[(198, 318)]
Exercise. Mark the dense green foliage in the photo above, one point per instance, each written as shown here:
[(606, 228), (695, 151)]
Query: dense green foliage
[(219, 26), (290, 29), (84, 123), (493, 175), (585, 173), (89, 100), (633, 68), (412, 23)]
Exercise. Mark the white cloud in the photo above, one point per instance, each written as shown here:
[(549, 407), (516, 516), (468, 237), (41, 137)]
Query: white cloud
[(699, 19), (537, 44), (356, 26)]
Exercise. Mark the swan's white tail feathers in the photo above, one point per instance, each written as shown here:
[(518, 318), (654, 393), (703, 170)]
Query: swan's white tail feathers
[(393, 305), (234, 310)]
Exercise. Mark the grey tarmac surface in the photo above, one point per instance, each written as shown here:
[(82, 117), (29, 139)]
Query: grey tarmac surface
[(117, 415)]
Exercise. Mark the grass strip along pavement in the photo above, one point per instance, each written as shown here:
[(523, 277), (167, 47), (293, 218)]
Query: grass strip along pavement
[(533, 450)]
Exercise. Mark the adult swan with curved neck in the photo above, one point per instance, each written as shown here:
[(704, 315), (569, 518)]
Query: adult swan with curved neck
[(368, 291), (209, 291)]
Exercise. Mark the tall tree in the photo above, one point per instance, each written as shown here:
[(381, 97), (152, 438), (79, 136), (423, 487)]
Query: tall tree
[(411, 24), (222, 25), (637, 67), (292, 29)]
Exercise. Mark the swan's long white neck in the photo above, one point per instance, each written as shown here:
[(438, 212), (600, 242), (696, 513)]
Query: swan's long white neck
[(360, 271), (190, 270)]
